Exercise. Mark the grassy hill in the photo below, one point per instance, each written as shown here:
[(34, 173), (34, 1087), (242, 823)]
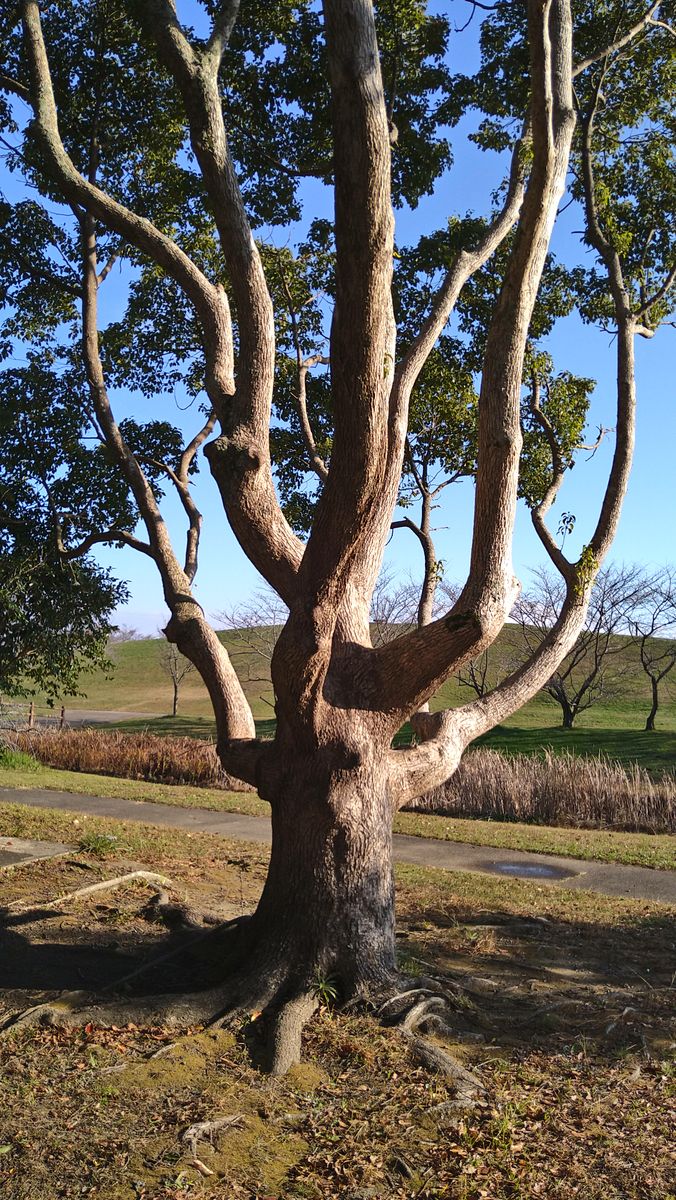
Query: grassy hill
[(614, 726), (138, 683)]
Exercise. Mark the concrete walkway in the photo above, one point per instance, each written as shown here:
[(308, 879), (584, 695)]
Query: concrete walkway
[(611, 879), (96, 716)]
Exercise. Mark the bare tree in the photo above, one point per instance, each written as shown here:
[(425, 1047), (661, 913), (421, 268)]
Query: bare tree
[(654, 628), (254, 627), (393, 608), (585, 675), (124, 633), (176, 666), (478, 675), (331, 775)]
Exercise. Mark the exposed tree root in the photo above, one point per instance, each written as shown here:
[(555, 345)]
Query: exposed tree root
[(261, 983), (286, 1032), (429, 1009), (159, 908), (74, 1009), (104, 885), (468, 1087), (176, 916), (204, 1130)]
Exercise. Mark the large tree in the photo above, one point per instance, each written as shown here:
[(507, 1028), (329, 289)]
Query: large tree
[(170, 150)]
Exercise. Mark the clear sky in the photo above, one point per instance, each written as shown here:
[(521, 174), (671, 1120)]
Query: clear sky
[(646, 534)]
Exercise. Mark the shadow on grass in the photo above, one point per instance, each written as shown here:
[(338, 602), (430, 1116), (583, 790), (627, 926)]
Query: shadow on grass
[(41, 952)]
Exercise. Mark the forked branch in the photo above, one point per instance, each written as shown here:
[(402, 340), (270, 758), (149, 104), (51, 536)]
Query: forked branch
[(425, 658)]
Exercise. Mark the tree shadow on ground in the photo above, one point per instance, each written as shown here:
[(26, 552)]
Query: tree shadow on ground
[(519, 980), (546, 982)]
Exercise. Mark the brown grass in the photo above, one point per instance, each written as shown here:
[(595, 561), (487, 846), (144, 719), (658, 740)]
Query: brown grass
[(180, 760), (547, 789), (555, 789)]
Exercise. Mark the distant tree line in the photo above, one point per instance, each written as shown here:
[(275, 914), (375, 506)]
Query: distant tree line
[(631, 609), (631, 619)]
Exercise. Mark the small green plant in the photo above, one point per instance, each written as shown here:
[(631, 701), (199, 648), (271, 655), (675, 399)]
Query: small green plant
[(99, 844), (326, 990), (406, 964), (16, 760)]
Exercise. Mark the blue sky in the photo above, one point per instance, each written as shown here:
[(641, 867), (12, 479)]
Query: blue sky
[(226, 578)]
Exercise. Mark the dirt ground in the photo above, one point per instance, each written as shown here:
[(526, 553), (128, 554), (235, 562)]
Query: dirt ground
[(565, 1010)]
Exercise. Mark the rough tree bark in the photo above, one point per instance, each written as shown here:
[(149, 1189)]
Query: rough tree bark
[(330, 775)]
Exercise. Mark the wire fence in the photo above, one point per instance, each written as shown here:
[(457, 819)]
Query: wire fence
[(26, 714)]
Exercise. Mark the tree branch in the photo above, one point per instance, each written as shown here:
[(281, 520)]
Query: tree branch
[(240, 458), (103, 275), (539, 511), (180, 481), (351, 511), (661, 292), (107, 537), (225, 18), (12, 85), (425, 658), (302, 366), (465, 264), (620, 42), (483, 714)]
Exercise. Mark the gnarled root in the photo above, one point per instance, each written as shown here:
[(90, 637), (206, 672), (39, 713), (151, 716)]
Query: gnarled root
[(75, 1009), (176, 916), (424, 1008), (206, 1129), (159, 908), (468, 1087), (281, 1006), (92, 888)]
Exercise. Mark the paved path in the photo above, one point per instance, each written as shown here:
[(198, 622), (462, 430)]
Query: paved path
[(86, 716), (611, 879)]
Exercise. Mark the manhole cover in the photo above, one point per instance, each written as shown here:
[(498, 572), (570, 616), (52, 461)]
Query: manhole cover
[(529, 870), (19, 850)]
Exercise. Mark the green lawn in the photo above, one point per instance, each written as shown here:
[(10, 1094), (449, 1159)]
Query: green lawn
[(638, 849), (656, 752), (138, 684), (614, 728)]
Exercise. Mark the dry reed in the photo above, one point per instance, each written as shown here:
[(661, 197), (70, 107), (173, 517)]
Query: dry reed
[(545, 789), (556, 789), (178, 760)]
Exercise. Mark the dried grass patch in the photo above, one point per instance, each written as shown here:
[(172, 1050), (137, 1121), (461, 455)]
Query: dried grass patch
[(545, 789), (177, 760), (555, 789)]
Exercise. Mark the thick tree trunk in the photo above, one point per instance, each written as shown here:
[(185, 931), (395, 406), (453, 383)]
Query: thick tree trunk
[(568, 714), (650, 723), (327, 909)]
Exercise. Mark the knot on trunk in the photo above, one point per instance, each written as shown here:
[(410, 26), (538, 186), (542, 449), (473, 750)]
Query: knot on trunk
[(427, 725)]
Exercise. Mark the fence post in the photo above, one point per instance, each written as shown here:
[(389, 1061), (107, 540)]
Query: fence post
[(31, 715), (63, 716)]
